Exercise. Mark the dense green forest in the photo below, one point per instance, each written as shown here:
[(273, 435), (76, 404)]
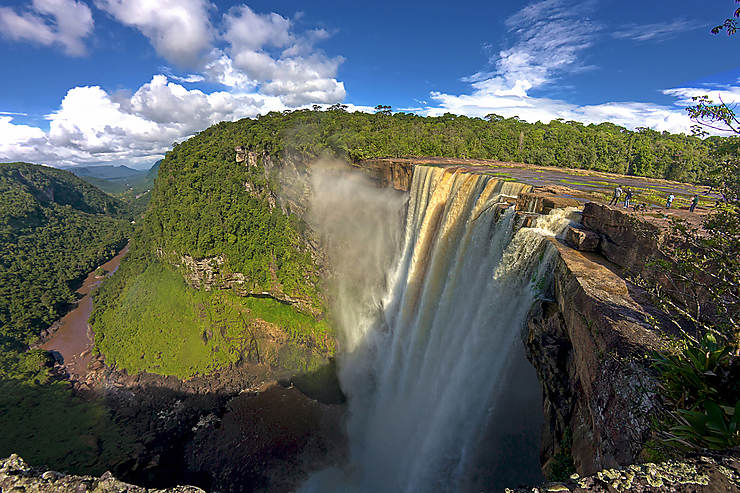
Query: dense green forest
[(205, 204), (54, 229), (131, 186), (356, 136)]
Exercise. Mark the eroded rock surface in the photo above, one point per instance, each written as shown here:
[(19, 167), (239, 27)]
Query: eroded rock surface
[(715, 473), (18, 477), (542, 200), (625, 239), (590, 349)]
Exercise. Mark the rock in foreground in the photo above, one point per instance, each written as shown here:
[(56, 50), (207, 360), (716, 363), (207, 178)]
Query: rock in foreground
[(701, 474), (17, 476)]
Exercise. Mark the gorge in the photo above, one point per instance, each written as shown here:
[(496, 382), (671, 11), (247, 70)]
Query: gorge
[(442, 355), (430, 282)]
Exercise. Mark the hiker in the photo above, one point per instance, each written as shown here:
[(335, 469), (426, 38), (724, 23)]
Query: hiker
[(669, 201), (617, 194), (627, 198), (694, 203)]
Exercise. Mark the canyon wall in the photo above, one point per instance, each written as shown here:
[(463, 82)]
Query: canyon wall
[(591, 344)]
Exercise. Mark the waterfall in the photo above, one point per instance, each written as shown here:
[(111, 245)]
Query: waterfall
[(425, 373)]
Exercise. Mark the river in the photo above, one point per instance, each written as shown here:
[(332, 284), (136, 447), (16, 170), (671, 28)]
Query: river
[(73, 338)]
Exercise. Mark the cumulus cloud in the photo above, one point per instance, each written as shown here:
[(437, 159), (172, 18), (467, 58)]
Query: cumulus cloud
[(264, 51), (247, 50), (180, 30), (93, 126), (50, 22), (655, 32), (265, 63)]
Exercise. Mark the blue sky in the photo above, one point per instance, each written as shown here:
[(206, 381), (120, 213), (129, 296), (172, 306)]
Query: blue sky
[(117, 81)]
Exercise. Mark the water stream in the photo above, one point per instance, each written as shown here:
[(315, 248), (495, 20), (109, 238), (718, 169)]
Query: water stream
[(73, 338), (440, 396)]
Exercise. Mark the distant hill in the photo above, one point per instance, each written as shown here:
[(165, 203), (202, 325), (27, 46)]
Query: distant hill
[(106, 172), (117, 180)]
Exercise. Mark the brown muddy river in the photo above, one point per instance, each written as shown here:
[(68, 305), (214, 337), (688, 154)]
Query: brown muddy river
[(74, 338)]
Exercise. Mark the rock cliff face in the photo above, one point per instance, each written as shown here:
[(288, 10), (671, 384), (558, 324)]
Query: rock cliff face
[(388, 173), (542, 200), (625, 240), (589, 347)]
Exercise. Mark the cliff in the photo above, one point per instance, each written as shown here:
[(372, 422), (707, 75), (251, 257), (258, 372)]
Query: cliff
[(388, 173), (589, 347)]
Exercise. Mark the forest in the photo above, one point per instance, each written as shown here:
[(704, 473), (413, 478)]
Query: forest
[(54, 229), (356, 136), (205, 204)]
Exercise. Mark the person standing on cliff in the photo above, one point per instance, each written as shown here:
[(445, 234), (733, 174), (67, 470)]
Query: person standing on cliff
[(694, 202), (627, 198), (669, 201), (617, 195)]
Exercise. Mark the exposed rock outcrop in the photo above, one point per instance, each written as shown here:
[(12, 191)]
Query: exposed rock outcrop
[(388, 173), (589, 348), (699, 474), (542, 200), (582, 239), (625, 240), (17, 476)]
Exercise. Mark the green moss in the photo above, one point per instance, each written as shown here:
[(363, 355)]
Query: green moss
[(161, 325), (561, 466)]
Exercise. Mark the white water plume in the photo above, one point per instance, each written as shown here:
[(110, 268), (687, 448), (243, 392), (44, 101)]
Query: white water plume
[(427, 370), (360, 226)]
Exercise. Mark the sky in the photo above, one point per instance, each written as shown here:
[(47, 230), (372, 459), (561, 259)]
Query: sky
[(119, 81)]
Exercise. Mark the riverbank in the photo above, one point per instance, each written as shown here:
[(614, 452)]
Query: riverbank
[(71, 339)]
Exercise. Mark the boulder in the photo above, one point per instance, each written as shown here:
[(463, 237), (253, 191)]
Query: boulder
[(582, 239), (543, 200)]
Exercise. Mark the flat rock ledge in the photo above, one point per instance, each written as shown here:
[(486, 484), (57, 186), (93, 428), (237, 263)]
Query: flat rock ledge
[(16, 476), (700, 474)]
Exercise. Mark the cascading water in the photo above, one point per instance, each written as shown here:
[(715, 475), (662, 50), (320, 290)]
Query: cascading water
[(427, 370)]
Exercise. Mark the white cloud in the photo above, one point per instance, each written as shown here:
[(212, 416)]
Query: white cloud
[(263, 50), (549, 39), (221, 69), (180, 30), (655, 32), (263, 61), (49, 22), (92, 126), (246, 30), (251, 51)]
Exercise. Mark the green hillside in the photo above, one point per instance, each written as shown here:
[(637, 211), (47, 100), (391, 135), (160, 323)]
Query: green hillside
[(206, 205), (54, 229)]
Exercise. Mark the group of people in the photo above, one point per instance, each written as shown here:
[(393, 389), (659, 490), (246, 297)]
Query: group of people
[(628, 194), (618, 195)]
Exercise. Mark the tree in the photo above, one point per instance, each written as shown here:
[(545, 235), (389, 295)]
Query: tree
[(729, 25), (383, 109), (701, 382)]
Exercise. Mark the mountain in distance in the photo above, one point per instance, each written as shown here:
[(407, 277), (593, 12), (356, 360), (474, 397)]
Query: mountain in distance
[(117, 180)]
